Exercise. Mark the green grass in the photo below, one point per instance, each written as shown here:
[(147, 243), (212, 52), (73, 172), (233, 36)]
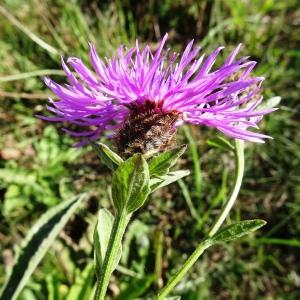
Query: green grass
[(38, 168)]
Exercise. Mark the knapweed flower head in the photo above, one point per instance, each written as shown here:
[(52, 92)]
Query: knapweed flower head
[(142, 97)]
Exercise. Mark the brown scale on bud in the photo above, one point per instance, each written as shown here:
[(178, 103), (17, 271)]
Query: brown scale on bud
[(147, 129)]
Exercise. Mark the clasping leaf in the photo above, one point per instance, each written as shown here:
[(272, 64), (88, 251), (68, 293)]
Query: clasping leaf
[(131, 184), (101, 239)]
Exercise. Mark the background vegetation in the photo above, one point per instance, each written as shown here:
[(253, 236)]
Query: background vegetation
[(39, 169)]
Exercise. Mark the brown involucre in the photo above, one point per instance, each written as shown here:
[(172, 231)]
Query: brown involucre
[(146, 129)]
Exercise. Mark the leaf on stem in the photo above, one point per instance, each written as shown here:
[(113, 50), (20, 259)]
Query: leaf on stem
[(36, 244), (101, 239), (236, 231), (131, 184), (161, 181), (160, 165), (111, 159)]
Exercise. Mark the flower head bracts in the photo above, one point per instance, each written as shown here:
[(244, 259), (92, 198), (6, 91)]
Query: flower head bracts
[(225, 98)]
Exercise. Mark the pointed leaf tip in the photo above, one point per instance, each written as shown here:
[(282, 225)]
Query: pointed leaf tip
[(160, 165), (108, 157), (236, 231)]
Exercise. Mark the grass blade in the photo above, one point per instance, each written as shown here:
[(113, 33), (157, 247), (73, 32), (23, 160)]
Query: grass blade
[(36, 244), (188, 199), (196, 162), (29, 33), (26, 75)]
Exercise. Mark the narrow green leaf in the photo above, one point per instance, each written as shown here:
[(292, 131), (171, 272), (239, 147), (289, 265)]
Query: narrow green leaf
[(195, 156), (236, 231), (131, 184), (82, 287), (101, 238), (36, 244), (111, 159), (156, 183), (279, 241), (160, 165), (189, 201), (220, 142), (53, 286)]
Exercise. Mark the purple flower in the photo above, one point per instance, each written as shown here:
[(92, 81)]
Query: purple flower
[(162, 87)]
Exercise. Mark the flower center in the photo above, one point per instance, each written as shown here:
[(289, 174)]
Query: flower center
[(147, 129)]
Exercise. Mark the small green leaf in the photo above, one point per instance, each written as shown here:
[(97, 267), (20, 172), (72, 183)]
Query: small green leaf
[(156, 183), (131, 184), (101, 238), (111, 159), (220, 142), (36, 244), (160, 165), (236, 231), (270, 103)]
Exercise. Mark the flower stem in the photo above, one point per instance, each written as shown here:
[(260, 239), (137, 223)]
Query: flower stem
[(115, 240), (239, 159), (239, 172), (182, 271)]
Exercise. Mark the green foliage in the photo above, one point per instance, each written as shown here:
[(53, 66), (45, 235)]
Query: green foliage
[(82, 287), (136, 288), (137, 237), (131, 184), (160, 165), (101, 238), (197, 174), (40, 181), (111, 159), (221, 142), (269, 33), (236, 231), (161, 181), (36, 245)]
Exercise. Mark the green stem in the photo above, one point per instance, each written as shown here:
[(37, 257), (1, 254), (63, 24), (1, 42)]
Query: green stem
[(239, 158), (182, 271), (239, 172), (115, 240), (196, 163)]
